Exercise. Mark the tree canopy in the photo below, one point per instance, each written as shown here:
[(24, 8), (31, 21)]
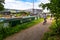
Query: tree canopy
[(54, 7), (1, 5)]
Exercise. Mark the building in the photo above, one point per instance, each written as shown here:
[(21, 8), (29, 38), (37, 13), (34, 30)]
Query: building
[(37, 12), (9, 11)]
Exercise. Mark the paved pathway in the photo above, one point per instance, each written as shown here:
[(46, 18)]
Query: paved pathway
[(34, 33)]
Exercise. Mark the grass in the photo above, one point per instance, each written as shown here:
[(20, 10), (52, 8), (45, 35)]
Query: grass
[(12, 30), (53, 34)]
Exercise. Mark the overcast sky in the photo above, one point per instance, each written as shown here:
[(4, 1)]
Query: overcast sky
[(23, 4)]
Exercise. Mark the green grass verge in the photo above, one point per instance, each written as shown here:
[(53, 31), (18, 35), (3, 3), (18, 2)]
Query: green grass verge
[(11, 30), (53, 34)]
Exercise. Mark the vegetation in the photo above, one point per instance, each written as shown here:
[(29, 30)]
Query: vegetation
[(22, 13), (26, 13), (1, 8), (11, 30), (54, 7), (53, 34), (1, 5), (18, 14)]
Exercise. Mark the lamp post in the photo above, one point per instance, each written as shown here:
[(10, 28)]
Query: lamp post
[(33, 6)]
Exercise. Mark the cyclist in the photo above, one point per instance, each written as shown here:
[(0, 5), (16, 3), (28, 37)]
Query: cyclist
[(45, 17), (51, 17)]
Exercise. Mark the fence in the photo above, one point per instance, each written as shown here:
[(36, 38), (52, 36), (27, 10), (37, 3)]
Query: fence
[(15, 21)]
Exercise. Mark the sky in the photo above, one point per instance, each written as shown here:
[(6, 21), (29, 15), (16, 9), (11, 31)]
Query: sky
[(23, 4)]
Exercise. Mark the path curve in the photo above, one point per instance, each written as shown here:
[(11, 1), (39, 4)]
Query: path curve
[(33, 33)]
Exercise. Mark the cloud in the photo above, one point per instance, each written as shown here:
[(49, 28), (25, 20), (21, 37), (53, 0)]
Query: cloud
[(14, 4), (43, 1)]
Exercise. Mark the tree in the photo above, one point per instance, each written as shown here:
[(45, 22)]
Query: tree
[(1, 5), (23, 12), (1, 28), (54, 7)]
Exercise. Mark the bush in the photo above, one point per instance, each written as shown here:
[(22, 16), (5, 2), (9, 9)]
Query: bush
[(51, 35), (52, 38), (46, 36), (1, 31), (1, 36), (53, 28)]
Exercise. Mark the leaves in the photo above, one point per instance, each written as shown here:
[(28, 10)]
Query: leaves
[(54, 7), (1, 5), (2, 1)]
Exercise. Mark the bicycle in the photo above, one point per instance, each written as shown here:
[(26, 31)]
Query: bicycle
[(44, 21)]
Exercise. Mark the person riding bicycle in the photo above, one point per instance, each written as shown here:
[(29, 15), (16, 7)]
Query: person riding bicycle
[(45, 17), (51, 17)]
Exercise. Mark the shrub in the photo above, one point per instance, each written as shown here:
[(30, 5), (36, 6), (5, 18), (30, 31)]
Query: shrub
[(51, 35), (52, 38)]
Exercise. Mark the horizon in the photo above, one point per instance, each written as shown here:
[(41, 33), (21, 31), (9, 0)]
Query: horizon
[(23, 9)]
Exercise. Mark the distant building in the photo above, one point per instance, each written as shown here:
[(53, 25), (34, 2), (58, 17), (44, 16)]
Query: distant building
[(9, 11), (37, 12)]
